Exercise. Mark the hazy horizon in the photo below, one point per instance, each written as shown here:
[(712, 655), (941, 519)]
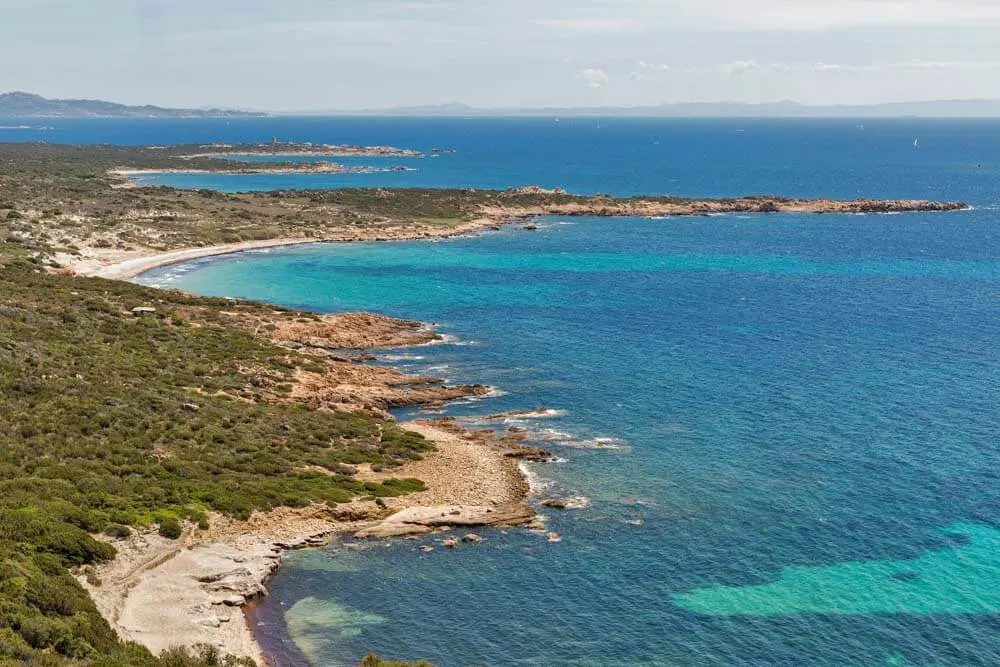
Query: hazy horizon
[(565, 53), (972, 108)]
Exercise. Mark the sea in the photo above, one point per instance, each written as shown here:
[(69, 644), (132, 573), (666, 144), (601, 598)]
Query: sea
[(786, 426)]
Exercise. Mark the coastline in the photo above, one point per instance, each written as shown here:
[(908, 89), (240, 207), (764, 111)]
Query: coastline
[(280, 150), (156, 591), (199, 587)]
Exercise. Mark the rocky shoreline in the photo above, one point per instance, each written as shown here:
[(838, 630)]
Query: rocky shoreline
[(656, 208), (161, 592), (158, 590)]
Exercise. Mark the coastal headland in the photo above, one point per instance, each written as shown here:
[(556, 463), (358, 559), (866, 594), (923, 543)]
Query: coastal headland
[(158, 590), (179, 445)]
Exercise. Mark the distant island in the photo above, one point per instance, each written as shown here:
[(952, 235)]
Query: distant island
[(28, 105)]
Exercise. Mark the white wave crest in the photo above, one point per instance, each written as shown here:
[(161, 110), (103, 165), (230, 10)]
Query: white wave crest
[(598, 443), (536, 483), (402, 357)]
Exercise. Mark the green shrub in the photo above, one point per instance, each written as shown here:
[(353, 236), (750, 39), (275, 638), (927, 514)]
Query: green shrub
[(170, 528), (118, 531)]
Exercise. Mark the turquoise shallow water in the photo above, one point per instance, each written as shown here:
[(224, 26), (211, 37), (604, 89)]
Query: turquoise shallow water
[(801, 409)]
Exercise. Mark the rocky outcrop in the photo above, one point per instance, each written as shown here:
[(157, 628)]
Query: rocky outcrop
[(574, 503), (420, 520), (523, 452), (350, 387), (352, 331)]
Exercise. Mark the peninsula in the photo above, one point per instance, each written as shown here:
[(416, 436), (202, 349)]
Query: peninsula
[(75, 207), (162, 450)]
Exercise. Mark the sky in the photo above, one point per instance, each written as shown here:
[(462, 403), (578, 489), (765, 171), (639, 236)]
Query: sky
[(317, 55)]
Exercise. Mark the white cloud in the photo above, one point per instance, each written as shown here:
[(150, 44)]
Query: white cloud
[(643, 65), (594, 78), (741, 66), (591, 25), (912, 66), (805, 15)]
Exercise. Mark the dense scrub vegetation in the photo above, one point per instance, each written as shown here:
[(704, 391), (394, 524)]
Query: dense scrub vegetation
[(113, 421)]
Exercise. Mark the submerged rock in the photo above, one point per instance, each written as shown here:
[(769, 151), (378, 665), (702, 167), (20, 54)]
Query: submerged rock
[(574, 503), (537, 525), (536, 454)]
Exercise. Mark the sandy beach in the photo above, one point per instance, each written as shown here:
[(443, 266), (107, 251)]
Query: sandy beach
[(115, 264), (123, 265)]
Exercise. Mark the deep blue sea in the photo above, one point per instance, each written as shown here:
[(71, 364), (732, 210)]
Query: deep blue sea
[(802, 410), (835, 158)]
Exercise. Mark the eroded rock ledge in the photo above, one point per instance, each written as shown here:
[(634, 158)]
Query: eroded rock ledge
[(359, 331), (420, 520)]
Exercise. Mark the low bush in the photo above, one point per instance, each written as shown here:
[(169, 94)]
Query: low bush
[(170, 528)]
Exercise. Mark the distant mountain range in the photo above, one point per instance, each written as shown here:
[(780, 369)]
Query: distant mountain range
[(786, 109), (26, 105)]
